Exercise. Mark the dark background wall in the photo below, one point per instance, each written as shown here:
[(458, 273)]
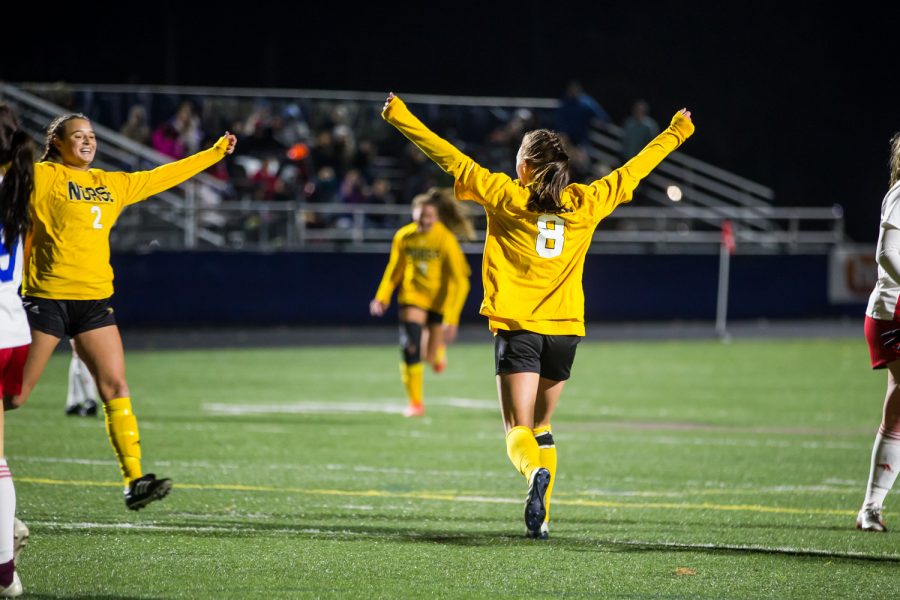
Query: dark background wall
[(214, 288)]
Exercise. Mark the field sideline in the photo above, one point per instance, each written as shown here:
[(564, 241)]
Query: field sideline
[(688, 469)]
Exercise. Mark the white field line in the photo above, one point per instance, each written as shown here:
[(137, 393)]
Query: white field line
[(378, 405), (195, 529)]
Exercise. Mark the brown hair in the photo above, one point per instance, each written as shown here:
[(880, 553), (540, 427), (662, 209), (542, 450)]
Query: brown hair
[(57, 130), (451, 212), (17, 149), (895, 159), (543, 151)]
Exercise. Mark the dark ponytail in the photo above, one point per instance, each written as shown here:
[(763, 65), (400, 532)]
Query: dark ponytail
[(543, 152), (17, 155)]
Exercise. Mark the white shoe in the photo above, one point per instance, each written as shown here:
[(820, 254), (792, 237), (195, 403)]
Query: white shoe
[(869, 518), (13, 590), (20, 538)]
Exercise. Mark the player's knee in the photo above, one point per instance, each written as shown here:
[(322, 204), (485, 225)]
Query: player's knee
[(113, 387), (411, 342)]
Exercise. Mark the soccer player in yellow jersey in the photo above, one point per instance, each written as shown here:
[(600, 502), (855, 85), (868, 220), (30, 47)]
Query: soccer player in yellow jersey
[(432, 274), (539, 230), (68, 279)]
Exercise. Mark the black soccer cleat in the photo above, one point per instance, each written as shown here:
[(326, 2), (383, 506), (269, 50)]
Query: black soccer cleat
[(74, 410), (145, 490), (542, 534), (88, 409), (535, 508)]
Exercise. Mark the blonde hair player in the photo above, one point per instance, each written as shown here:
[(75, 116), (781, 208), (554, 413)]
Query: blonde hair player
[(883, 337), (68, 281), (539, 230), (431, 272), (16, 183)]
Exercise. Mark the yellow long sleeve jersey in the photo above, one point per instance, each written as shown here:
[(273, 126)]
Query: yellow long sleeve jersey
[(73, 212), (533, 263), (429, 268)]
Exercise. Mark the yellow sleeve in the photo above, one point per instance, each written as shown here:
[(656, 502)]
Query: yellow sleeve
[(617, 187), (473, 182), (143, 184), (393, 274), (457, 278)]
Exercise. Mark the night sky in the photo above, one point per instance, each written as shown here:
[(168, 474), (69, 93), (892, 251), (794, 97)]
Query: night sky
[(803, 99)]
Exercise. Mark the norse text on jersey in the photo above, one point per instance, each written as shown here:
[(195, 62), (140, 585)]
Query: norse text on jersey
[(79, 193)]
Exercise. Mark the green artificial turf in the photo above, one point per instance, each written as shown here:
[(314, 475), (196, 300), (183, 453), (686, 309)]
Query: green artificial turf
[(686, 470)]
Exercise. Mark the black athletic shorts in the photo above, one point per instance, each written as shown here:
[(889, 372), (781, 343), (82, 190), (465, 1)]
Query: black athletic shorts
[(433, 318), (61, 318), (523, 351)]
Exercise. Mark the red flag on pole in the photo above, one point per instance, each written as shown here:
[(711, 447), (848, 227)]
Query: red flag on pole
[(728, 237)]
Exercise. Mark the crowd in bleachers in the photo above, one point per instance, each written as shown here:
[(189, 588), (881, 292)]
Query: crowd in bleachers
[(323, 151)]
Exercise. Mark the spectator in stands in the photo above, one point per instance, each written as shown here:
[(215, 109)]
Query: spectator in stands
[(576, 111), (294, 129), (136, 127), (181, 135), (883, 337), (637, 131)]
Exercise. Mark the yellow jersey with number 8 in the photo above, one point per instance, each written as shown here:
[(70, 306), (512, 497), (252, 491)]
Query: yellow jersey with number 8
[(533, 263), (73, 212)]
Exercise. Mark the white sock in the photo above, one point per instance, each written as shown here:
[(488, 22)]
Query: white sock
[(883, 471), (88, 387), (75, 392), (7, 512)]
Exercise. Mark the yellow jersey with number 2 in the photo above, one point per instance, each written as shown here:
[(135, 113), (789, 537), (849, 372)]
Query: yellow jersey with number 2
[(73, 212), (533, 263)]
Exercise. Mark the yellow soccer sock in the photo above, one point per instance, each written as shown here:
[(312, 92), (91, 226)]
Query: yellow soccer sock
[(412, 376), (523, 451), (439, 363), (547, 449), (122, 428)]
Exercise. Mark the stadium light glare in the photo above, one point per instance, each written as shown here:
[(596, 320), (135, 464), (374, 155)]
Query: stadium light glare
[(674, 193)]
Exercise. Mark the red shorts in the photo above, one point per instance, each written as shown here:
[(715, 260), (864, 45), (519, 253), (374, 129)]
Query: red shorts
[(881, 356), (12, 363)]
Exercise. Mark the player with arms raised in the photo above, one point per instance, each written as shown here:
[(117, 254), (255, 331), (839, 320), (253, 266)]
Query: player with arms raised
[(539, 230)]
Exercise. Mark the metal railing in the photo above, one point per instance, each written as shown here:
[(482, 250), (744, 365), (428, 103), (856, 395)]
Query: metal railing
[(629, 229), (200, 213)]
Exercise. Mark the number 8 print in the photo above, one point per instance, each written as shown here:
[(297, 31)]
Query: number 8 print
[(551, 230)]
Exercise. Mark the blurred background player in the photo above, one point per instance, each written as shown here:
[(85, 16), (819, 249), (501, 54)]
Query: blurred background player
[(539, 230), (67, 285), (81, 393), (883, 337), (16, 183), (431, 272)]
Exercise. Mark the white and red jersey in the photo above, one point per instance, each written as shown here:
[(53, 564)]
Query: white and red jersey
[(14, 330), (883, 301)]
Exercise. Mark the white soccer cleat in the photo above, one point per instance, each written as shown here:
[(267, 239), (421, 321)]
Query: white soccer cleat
[(13, 590), (870, 519), (20, 538)]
